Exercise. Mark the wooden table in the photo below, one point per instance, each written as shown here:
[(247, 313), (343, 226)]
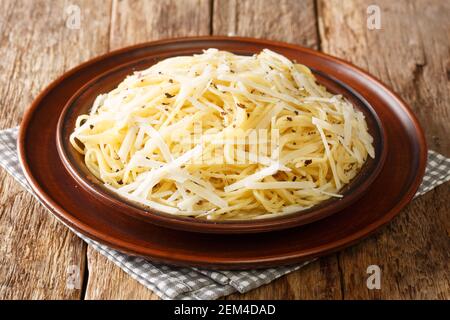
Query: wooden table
[(410, 53)]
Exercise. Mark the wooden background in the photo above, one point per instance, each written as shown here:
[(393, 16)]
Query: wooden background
[(411, 53)]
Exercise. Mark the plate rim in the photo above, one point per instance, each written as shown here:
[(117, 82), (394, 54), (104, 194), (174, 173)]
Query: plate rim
[(330, 207), (242, 263)]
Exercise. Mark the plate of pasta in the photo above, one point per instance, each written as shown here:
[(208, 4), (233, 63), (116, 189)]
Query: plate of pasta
[(221, 152), (222, 142)]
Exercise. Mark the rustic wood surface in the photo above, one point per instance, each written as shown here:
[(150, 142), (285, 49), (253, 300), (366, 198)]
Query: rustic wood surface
[(410, 53)]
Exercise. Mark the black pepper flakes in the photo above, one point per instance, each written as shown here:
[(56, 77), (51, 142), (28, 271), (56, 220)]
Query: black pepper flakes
[(168, 95), (308, 162), (349, 168), (170, 81), (240, 105), (289, 118), (91, 126), (296, 112)]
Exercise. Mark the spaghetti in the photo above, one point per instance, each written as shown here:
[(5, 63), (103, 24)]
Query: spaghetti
[(223, 136)]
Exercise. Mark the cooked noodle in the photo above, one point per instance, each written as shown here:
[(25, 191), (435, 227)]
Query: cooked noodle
[(223, 136)]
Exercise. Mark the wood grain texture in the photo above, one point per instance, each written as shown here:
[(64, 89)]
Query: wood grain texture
[(410, 53), (107, 281), (295, 22), (141, 21), (162, 19), (318, 280), (36, 251), (283, 20)]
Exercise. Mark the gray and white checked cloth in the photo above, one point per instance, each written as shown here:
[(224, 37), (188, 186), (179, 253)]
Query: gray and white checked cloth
[(192, 283)]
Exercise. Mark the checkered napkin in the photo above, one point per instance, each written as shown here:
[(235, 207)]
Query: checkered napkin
[(193, 283)]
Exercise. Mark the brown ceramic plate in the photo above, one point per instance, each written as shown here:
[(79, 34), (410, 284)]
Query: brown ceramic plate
[(394, 187), (81, 102)]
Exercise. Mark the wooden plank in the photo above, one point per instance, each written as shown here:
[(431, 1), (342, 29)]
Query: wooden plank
[(36, 251), (162, 19), (411, 54), (141, 21), (318, 280), (283, 20), (412, 251), (295, 22), (107, 281)]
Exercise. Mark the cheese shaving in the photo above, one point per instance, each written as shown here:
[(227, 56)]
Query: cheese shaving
[(195, 136)]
